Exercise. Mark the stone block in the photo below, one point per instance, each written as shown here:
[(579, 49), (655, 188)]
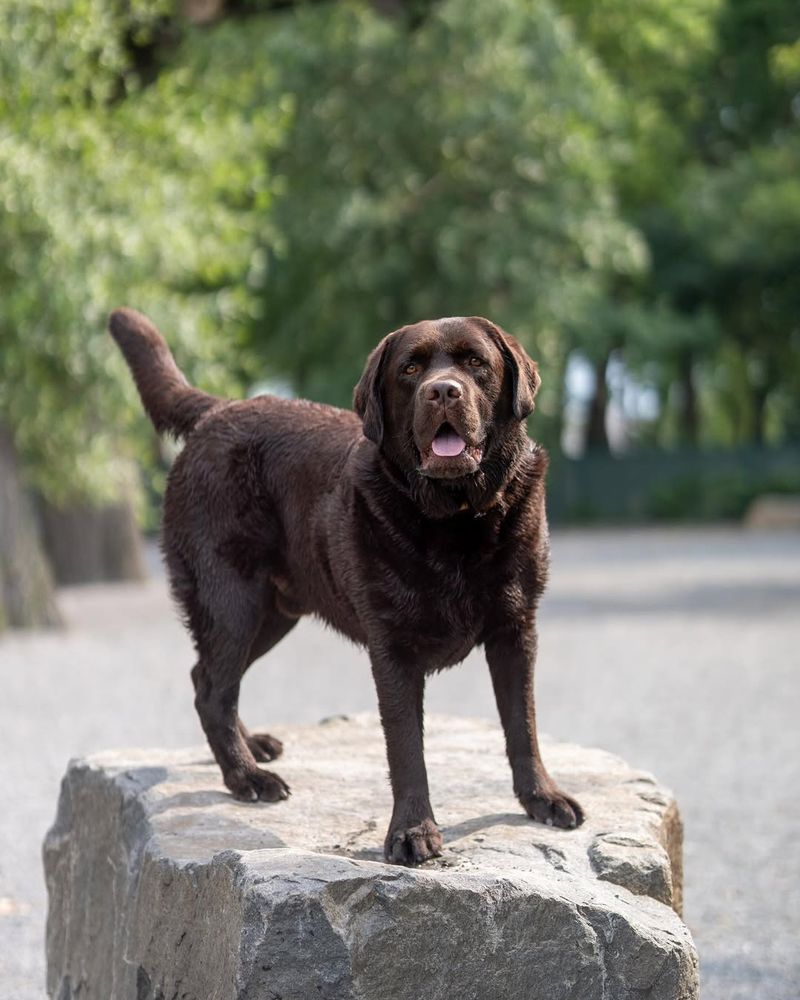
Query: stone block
[(162, 887)]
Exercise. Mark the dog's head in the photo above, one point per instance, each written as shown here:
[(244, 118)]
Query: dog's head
[(444, 400)]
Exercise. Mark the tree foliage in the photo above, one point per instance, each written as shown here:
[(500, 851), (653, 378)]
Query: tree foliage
[(711, 96), (463, 167), (281, 187), (113, 192)]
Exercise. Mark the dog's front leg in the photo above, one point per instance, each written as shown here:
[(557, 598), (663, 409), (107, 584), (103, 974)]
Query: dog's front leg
[(413, 836), (511, 655)]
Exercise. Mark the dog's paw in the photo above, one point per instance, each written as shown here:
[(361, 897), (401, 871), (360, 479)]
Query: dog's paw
[(552, 806), (263, 746), (256, 785), (411, 845)]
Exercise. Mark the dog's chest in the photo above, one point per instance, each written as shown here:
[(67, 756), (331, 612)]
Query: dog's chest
[(437, 606)]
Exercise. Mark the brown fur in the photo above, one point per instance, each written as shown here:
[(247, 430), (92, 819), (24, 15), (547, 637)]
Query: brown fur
[(276, 509)]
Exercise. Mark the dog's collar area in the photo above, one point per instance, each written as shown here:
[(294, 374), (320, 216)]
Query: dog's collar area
[(465, 507)]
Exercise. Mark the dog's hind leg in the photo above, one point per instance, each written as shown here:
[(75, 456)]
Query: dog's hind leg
[(225, 648), (263, 746)]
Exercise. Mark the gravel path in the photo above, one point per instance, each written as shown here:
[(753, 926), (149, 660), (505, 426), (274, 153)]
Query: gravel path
[(676, 649)]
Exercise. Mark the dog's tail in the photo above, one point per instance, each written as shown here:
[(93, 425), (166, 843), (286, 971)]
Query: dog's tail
[(172, 404)]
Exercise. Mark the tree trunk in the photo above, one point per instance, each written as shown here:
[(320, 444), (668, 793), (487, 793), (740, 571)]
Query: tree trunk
[(27, 595), (93, 544), (759, 432), (596, 436), (689, 417)]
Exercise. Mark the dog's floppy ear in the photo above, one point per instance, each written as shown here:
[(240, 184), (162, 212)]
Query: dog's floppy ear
[(368, 394), (525, 379)]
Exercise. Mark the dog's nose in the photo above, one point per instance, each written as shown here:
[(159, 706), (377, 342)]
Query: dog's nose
[(442, 390)]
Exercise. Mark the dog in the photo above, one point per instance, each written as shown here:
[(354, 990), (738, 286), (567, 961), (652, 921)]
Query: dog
[(414, 524)]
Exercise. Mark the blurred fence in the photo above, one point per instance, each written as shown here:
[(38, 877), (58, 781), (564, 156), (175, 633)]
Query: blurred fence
[(681, 485)]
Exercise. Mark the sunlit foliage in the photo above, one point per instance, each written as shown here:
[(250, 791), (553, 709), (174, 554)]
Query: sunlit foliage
[(282, 186), (114, 192)]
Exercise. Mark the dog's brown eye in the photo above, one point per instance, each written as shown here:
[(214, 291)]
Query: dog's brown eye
[(411, 369), (476, 362)]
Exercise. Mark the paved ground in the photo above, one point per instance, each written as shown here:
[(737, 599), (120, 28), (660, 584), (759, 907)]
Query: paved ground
[(677, 649)]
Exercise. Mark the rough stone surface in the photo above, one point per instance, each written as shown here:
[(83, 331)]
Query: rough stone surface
[(161, 886)]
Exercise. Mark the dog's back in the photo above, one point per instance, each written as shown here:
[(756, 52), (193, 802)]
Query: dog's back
[(232, 523)]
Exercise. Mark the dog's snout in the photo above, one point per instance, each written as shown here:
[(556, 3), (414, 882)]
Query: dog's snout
[(443, 389)]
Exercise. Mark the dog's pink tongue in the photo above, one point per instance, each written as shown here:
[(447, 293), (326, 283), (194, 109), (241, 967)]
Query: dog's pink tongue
[(447, 444)]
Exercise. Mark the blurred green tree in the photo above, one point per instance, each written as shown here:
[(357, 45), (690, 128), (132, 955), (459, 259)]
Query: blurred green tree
[(739, 206), (464, 166), (657, 59), (111, 192), (710, 97)]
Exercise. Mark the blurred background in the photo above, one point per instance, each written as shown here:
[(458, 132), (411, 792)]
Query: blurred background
[(278, 185)]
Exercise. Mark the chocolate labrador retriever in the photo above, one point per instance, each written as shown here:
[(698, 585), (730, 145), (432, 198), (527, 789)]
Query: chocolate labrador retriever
[(414, 525)]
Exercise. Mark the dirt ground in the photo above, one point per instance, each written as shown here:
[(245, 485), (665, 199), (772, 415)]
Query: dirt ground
[(678, 649)]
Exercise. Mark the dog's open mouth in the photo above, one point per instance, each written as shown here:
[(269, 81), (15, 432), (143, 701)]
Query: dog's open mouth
[(449, 455), (448, 443)]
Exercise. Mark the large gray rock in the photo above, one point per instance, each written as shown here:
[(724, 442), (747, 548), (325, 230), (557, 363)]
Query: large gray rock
[(162, 887)]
